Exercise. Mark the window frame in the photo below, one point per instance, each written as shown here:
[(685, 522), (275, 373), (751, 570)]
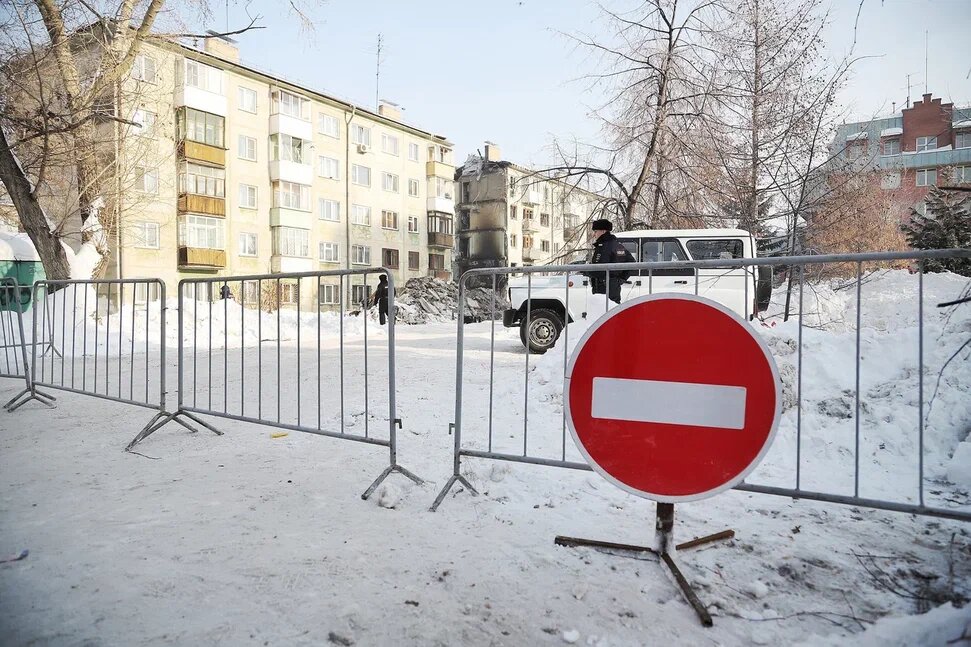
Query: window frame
[(282, 188), (241, 152), (143, 173), (241, 92), (395, 182), (245, 188), (357, 209), (390, 253), (416, 149), (920, 148), (286, 239), (365, 255), (355, 175), (417, 225), (138, 68), (190, 226), (390, 139), (324, 118), (412, 182), (325, 246), (356, 131), (323, 161), (384, 220), (925, 173), (322, 209), (322, 291), (143, 226), (243, 246)]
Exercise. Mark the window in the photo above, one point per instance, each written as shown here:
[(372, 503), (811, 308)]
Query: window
[(658, 250), (436, 261), (890, 180), (360, 293), (414, 260), (145, 120), (705, 250), (545, 245), (143, 69), (329, 294), (443, 188), (330, 252), (512, 240), (329, 209), (247, 196), (891, 147), (286, 148), (527, 242), (329, 125), (290, 195), (466, 192), (412, 224), (147, 292), (389, 144), (413, 188), (389, 258), (360, 135), (201, 232), (413, 152), (360, 255), (926, 144), (438, 224), (289, 293), (202, 76), (202, 180), (360, 175), (247, 100), (527, 214), (198, 126), (512, 186), (328, 167), (389, 182), (962, 140), (360, 215), (544, 219), (287, 103), (927, 177), (512, 212), (389, 219), (247, 148), (290, 241), (146, 179), (247, 244), (146, 235), (962, 174)]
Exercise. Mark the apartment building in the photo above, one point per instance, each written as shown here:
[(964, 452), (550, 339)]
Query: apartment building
[(510, 216), (235, 172), (905, 154)]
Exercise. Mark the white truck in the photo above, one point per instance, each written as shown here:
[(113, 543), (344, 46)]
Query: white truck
[(544, 298)]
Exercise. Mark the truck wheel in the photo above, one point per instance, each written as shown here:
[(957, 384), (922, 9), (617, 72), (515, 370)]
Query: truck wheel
[(542, 332)]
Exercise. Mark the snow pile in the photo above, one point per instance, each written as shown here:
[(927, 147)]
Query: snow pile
[(427, 299), (945, 625)]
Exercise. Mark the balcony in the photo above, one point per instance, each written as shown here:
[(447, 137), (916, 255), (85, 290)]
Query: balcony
[(214, 104), (201, 259), (284, 217), (289, 125), (203, 204), (436, 239), (529, 224), (570, 232), (441, 205), (291, 172), (530, 254), (444, 275), (287, 264), (532, 196), (439, 169), (202, 152)]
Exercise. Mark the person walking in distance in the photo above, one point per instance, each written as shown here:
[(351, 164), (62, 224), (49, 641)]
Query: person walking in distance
[(381, 298), (607, 249)]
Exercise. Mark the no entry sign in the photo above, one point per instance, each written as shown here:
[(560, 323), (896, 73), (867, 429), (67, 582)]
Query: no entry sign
[(672, 397)]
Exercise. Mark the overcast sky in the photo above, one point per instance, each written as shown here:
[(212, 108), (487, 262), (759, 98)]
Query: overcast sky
[(502, 70)]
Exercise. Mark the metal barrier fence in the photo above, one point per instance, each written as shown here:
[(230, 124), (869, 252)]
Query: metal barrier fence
[(524, 435), (105, 330), (14, 299), (316, 376)]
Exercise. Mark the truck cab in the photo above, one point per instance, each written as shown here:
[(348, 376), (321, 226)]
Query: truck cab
[(542, 305)]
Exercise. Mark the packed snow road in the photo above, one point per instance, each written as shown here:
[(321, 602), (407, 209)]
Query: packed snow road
[(249, 539)]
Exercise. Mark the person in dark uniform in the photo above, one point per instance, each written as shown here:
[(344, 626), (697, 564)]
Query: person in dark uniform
[(381, 298), (607, 249)]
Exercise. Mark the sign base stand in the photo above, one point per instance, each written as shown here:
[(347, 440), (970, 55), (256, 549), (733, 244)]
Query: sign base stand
[(664, 550)]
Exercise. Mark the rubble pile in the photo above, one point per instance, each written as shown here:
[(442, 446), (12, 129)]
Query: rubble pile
[(427, 299)]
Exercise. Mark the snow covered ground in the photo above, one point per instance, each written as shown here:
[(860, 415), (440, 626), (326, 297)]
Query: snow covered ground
[(250, 539)]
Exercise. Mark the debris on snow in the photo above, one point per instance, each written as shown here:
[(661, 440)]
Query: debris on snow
[(338, 639), (388, 496), (427, 299), (757, 589), (571, 636)]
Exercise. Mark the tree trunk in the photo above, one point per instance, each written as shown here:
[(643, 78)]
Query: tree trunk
[(32, 216)]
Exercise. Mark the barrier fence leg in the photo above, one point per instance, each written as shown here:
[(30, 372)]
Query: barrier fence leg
[(456, 475), (32, 394), (392, 468), (162, 418), (665, 549)]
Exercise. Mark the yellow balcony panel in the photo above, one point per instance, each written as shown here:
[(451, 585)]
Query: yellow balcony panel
[(436, 239), (191, 203), (202, 152), (439, 169), (199, 258)]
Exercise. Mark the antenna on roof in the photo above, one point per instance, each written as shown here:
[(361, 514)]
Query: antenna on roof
[(377, 77), (925, 61)]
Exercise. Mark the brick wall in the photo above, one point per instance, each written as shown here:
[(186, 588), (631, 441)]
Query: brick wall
[(927, 118)]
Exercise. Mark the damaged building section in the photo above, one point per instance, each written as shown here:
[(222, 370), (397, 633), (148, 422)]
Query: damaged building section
[(511, 216), (428, 299)]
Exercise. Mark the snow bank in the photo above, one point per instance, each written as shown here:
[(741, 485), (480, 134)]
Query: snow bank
[(945, 625)]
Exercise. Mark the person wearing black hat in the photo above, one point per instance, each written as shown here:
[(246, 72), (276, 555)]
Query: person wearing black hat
[(381, 298), (607, 249)]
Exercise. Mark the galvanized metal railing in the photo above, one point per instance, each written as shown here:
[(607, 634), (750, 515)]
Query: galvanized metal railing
[(14, 300), (552, 449), (96, 357), (312, 378)]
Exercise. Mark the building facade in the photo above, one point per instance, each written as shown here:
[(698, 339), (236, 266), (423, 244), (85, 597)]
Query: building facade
[(927, 144), (510, 216), (234, 171)]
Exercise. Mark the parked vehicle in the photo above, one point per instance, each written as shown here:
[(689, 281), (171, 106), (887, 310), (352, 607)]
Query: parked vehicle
[(544, 298)]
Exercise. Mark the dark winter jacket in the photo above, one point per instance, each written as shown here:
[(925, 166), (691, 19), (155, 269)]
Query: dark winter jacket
[(607, 249)]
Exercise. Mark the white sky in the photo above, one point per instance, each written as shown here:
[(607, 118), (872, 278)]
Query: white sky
[(502, 70)]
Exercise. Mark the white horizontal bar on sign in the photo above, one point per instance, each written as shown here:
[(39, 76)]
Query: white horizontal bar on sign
[(673, 403)]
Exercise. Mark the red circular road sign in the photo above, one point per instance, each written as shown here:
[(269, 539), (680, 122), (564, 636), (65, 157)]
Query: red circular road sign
[(672, 397)]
